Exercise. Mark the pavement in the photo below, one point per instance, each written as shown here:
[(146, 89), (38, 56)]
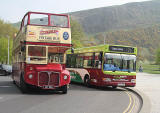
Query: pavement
[(149, 87)]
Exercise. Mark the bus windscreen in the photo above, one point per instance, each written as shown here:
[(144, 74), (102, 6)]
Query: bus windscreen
[(119, 62)]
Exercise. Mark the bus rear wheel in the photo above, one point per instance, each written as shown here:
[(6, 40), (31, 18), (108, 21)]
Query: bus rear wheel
[(87, 81)]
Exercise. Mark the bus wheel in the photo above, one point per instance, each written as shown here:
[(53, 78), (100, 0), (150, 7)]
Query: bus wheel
[(86, 81), (114, 87), (23, 85), (64, 89)]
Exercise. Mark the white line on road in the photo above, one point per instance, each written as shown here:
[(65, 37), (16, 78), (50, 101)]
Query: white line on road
[(5, 86)]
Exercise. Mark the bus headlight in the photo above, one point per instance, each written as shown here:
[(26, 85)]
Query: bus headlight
[(30, 76), (65, 77)]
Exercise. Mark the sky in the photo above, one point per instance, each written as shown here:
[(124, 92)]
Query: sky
[(13, 10)]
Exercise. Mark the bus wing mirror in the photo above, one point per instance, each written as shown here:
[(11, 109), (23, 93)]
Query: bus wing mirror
[(100, 56), (20, 53), (72, 50), (23, 48)]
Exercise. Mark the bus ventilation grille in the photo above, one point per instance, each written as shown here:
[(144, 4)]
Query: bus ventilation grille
[(48, 78)]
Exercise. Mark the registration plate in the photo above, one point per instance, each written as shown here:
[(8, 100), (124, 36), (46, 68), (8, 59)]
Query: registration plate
[(48, 87), (121, 84)]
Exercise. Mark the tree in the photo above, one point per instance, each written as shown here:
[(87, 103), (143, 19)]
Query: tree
[(6, 29), (77, 34)]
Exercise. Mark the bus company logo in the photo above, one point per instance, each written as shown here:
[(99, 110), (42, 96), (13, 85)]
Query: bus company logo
[(65, 35), (48, 32), (31, 33)]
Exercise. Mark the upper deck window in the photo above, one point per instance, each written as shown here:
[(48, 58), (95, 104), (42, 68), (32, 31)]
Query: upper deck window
[(61, 21), (26, 20), (38, 19)]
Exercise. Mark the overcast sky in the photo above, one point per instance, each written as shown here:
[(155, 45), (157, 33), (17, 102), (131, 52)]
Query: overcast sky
[(14, 10)]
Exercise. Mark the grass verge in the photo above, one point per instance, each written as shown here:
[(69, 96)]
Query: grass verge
[(150, 68)]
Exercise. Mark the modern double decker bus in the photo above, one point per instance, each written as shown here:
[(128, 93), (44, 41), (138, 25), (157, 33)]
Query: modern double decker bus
[(39, 52), (103, 65)]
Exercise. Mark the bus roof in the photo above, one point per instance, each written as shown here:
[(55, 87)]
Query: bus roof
[(107, 48)]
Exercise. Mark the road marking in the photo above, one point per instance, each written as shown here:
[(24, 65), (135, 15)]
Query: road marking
[(130, 102), (5, 86), (132, 105)]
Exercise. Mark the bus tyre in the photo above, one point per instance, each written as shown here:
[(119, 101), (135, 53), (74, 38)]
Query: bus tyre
[(23, 85), (87, 81), (64, 89)]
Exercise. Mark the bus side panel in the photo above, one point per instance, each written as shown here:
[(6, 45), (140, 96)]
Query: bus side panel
[(17, 71), (95, 76)]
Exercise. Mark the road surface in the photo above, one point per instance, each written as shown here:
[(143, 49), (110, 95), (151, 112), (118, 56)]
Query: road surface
[(79, 99)]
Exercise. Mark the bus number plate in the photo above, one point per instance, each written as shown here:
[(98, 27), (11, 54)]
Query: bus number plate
[(121, 84), (48, 87)]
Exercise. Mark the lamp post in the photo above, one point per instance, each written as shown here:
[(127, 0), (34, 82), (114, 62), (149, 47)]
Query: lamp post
[(8, 50), (104, 38)]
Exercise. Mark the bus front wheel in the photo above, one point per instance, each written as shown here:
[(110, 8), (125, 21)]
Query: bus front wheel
[(64, 89)]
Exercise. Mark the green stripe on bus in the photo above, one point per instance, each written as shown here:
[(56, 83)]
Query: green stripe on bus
[(76, 77)]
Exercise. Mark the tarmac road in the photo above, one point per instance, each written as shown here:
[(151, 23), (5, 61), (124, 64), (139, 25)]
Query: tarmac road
[(79, 99)]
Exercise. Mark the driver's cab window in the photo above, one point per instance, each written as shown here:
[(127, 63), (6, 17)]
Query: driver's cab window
[(55, 55)]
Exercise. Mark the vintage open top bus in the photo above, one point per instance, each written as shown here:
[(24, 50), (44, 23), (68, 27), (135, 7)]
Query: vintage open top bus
[(104, 65), (39, 51)]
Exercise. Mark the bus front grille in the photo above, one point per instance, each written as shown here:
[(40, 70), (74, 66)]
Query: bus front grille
[(54, 79), (48, 78)]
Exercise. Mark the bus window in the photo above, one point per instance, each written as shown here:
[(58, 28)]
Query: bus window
[(26, 20), (56, 54), (36, 51), (39, 19), (79, 61), (61, 21), (119, 62)]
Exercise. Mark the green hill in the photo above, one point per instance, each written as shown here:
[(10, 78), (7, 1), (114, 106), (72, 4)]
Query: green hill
[(134, 24), (127, 16)]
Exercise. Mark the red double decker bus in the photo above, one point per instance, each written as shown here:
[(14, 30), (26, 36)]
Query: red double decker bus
[(39, 52)]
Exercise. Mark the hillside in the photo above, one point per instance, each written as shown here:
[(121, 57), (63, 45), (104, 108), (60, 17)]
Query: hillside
[(133, 24), (127, 16), (146, 39)]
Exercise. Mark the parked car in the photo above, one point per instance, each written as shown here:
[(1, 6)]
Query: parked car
[(5, 69)]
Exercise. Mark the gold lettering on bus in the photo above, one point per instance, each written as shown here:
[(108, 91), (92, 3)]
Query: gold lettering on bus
[(48, 38), (48, 32)]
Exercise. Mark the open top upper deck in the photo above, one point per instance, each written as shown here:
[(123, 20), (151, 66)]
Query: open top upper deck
[(46, 19), (42, 28)]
